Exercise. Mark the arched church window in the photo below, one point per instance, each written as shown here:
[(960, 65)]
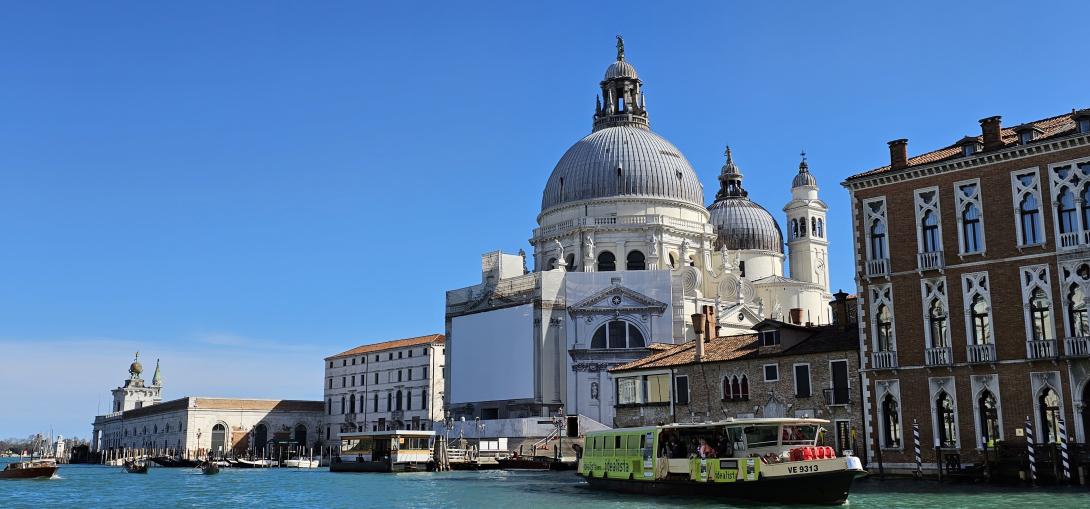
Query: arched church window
[(617, 334), (570, 260), (551, 265), (635, 261), (607, 262), (794, 228)]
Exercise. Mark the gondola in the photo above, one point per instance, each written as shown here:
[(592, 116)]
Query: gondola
[(136, 467), (210, 468)]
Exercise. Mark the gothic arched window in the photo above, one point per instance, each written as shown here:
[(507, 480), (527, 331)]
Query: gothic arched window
[(970, 228), (884, 324), (635, 261), (936, 317), (929, 228), (989, 417), (1085, 195), (744, 393), (944, 412), (1066, 213), (617, 334), (1048, 404), (877, 240), (1040, 316), (1076, 312), (981, 322), (1029, 214), (891, 422), (607, 262)]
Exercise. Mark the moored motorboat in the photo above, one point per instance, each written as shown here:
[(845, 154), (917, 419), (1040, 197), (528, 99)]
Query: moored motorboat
[(301, 463), (765, 459), (32, 469), (385, 451), (519, 462)]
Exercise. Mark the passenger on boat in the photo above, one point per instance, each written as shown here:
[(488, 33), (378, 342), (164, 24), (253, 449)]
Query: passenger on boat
[(705, 450)]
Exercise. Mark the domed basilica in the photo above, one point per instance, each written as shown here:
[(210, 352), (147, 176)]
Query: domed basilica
[(624, 252)]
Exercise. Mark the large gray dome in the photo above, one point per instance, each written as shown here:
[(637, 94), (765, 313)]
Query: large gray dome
[(743, 224), (622, 161), (739, 222)]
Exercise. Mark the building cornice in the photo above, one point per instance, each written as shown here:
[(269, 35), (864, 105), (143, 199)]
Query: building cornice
[(967, 163)]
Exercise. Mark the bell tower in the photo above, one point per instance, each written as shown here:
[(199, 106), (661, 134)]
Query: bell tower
[(807, 244), (621, 102)]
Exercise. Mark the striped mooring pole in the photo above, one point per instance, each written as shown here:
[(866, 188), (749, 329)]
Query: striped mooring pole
[(1063, 450), (916, 447), (1030, 451)]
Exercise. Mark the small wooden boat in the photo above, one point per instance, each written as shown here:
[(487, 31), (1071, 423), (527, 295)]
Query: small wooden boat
[(210, 468), (241, 463), (136, 467), (32, 469)]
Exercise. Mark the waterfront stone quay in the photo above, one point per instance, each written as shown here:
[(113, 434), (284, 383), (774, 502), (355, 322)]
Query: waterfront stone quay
[(98, 486)]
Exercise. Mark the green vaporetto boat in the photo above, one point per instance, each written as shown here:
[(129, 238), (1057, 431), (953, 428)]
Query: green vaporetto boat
[(762, 459)]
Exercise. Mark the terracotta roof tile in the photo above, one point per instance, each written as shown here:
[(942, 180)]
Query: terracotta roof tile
[(1052, 127), (386, 345)]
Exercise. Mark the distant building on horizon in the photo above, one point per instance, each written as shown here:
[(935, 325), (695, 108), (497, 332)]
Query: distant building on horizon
[(142, 423), (385, 386), (985, 323)]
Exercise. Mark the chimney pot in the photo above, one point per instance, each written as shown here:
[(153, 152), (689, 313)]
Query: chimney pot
[(992, 128), (898, 153)]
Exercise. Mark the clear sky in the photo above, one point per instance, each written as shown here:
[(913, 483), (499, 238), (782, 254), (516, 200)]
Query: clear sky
[(242, 188)]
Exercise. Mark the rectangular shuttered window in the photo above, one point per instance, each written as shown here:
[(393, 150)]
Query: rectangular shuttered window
[(802, 380)]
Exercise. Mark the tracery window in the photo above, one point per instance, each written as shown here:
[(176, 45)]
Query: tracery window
[(968, 202), (1027, 199), (1066, 213), (884, 325), (929, 230), (981, 321), (891, 422), (877, 240), (1036, 292), (1040, 317), (937, 322), (947, 425), (989, 417)]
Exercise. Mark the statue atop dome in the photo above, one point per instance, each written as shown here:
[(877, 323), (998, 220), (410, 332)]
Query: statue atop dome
[(620, 48)]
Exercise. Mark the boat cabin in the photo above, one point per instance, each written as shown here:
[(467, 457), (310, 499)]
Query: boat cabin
[(385, 451)]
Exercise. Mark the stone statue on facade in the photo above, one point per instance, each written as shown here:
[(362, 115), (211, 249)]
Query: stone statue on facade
[(684, 252), (653, 245), (559, 250), (588, 245)]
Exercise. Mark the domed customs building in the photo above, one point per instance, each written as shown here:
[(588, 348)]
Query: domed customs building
[(625, 251)]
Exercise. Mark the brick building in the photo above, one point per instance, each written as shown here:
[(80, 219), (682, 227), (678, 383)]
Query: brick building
[(978, 319), (781, 370)]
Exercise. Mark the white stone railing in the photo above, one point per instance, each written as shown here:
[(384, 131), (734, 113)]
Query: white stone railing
[(938, 356), (981, 353), (930, 261), (884, 360), (518, 284), (1041, 349), (1077, 346), (1071, 239), (639, 219), (878, 267)]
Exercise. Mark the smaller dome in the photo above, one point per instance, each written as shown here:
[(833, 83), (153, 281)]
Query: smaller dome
[(742, 224), (620, 69), (804, 177)]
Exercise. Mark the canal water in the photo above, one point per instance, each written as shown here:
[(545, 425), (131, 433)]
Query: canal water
[(95, 486)]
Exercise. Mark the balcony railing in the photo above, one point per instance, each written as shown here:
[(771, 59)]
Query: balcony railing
[(1070, 239), (877, 267), (938, 356), (1041, 349), (981, 353), (884, 360), (1077, 347), (932, 260), (837, 396)]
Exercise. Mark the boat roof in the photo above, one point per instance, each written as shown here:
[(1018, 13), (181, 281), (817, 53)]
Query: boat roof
[(728, 422), (389, 433)]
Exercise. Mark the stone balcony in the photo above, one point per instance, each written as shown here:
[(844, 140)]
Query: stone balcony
[(979, 354), (938, 356), (932, 260), (1074, 240), (884, 360), (565, 227), (1042, 349), (1077, 347), (877, 268)]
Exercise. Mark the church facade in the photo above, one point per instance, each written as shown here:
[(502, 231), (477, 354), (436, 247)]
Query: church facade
[(626, 249)]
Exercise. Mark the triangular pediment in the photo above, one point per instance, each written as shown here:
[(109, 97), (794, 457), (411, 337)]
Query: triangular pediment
[(617, 299)]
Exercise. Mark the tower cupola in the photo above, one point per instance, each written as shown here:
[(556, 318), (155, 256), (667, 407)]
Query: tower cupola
[(621, 102)]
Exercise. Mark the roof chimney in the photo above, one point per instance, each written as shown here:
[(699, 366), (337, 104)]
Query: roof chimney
[(840, 305), (898, 154), (698, 329), (991, 128)]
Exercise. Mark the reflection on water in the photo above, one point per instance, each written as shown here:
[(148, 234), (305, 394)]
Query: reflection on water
[(98, 486)]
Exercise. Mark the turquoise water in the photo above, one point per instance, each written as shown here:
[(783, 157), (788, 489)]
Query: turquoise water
[(110, 487)]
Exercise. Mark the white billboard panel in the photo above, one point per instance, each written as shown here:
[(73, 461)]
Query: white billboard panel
[(492, 356)]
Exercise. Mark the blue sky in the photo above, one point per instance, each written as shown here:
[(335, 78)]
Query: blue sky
[(242, 188)]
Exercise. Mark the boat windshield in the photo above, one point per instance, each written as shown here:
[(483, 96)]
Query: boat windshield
[(799, 434), (762, 435), (357, 446)]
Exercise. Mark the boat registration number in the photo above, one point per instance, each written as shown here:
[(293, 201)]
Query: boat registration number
[(802, 469)]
